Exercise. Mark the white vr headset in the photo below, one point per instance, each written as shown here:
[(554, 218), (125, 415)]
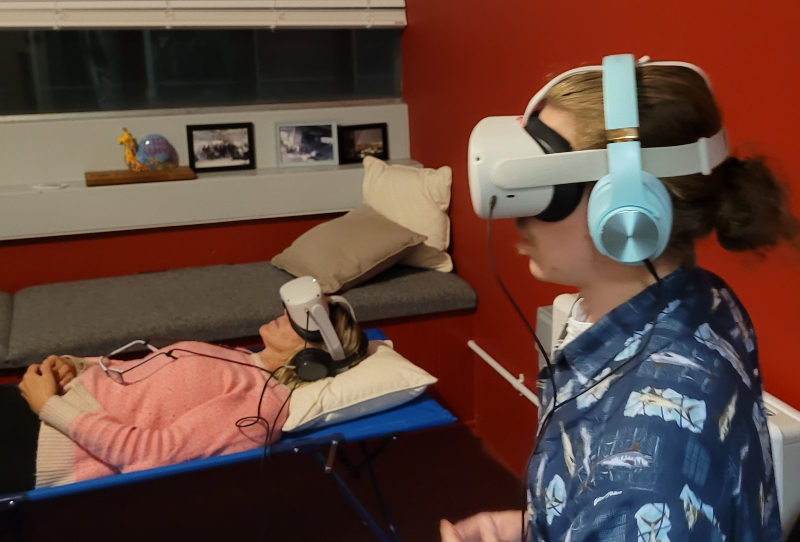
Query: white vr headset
[(309, 314), (510, 166)]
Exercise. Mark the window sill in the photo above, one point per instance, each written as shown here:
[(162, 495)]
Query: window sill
[(27, 212)]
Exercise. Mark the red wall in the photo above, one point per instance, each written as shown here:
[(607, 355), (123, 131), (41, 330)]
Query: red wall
[(57, 259), (466, 59)]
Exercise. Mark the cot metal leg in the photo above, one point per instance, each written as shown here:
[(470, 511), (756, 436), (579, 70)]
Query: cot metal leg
[(378, 493), (362, 512), (355, 470)]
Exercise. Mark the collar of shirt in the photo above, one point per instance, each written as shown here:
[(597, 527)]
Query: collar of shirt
[(258, 362), (576, 324), (614, 339)]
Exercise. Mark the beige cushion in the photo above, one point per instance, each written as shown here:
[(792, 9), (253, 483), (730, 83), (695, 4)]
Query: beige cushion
[(418, 199), (381, 381), (348, 250)]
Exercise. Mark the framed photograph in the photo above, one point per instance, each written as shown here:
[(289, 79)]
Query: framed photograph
[(221, 147), (358, 142), (307, 144)]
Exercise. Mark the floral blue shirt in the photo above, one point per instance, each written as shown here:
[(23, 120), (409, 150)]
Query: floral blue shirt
[(659, 431)]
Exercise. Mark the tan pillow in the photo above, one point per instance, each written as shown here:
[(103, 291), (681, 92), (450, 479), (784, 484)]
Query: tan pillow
[(381, 381), (348, 250), (418, 199)]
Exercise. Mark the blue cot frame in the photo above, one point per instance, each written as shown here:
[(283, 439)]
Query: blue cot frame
[(421, 413)]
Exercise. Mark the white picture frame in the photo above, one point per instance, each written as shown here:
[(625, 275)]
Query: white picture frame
[(307, 144)]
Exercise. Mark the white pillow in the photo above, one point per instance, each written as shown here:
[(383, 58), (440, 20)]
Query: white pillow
[(384, 379), (418, 199)]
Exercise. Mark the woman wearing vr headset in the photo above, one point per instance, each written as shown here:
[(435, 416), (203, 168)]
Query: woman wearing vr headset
[(652, 425), (99, 416)]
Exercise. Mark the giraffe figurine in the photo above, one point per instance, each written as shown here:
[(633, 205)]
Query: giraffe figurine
[(130, 151)]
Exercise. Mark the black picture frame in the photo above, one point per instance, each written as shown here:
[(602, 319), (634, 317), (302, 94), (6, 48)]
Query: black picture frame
[(225, 147), (376, 145)]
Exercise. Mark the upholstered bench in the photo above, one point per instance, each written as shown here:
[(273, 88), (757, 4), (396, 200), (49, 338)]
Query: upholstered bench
[(220, 302)]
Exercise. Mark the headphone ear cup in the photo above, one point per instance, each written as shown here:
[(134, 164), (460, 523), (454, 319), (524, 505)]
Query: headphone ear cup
[(652, 230), (660, 202), (599, 205), (312, 364)]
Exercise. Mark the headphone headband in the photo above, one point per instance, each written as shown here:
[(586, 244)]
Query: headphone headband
[(621, 113)]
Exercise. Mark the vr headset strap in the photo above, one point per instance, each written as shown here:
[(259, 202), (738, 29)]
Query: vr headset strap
[(320, 317), (591, 165)]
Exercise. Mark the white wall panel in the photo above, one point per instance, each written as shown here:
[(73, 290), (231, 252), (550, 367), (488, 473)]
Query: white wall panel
[(52, 149)]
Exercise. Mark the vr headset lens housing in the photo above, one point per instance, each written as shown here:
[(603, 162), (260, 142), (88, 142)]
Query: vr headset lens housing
[(491, 139), (299, 297)]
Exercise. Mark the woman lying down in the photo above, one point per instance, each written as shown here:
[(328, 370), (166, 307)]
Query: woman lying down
[(190, 400)]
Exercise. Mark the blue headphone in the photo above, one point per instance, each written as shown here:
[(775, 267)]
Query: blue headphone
[(630, 211)]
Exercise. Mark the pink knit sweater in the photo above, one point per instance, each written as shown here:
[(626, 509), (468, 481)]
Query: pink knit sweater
[(173, 411)]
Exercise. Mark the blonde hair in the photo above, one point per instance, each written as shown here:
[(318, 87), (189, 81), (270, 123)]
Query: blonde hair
[(349, 333), (741, 200)]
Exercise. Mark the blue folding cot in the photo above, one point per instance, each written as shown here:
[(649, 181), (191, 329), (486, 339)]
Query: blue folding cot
[(421, 413)]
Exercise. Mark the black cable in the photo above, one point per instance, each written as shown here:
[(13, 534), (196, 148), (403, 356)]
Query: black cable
[(246, 421), (255, 419), (550, 370), (285, 402), (649, 265), (296, 380), (492, 204), (249, 421), (168, 353)]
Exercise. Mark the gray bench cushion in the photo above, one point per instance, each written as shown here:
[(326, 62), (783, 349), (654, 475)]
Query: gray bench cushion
[(93, 317), (408, 291), (5, 322)]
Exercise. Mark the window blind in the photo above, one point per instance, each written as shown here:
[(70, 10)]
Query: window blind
[(166, 14)]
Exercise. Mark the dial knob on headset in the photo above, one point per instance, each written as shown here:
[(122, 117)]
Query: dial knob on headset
[(630, 236)]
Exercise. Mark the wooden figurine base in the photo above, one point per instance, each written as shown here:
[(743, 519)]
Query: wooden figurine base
[(126, 176)]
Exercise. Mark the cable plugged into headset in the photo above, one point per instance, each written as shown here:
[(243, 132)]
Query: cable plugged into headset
[(550, 370), (492, 204)]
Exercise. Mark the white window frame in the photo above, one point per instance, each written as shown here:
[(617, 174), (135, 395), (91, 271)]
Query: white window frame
[(166, 14)]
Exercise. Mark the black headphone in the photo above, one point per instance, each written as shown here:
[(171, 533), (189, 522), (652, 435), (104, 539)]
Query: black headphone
[(312, 363)]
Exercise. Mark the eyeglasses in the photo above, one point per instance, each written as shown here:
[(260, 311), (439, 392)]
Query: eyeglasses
[(118, 375)]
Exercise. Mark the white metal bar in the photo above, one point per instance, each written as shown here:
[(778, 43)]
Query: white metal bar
[(515, 382)]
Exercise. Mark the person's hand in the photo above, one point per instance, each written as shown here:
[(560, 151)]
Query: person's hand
[(38, 385), (63, 371), (484, 527), (448, 532)]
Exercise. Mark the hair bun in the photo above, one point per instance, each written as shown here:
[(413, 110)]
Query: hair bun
[(752, 212)]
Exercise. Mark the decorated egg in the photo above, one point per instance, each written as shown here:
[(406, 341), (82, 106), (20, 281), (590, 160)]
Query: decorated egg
[(155, 152)]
